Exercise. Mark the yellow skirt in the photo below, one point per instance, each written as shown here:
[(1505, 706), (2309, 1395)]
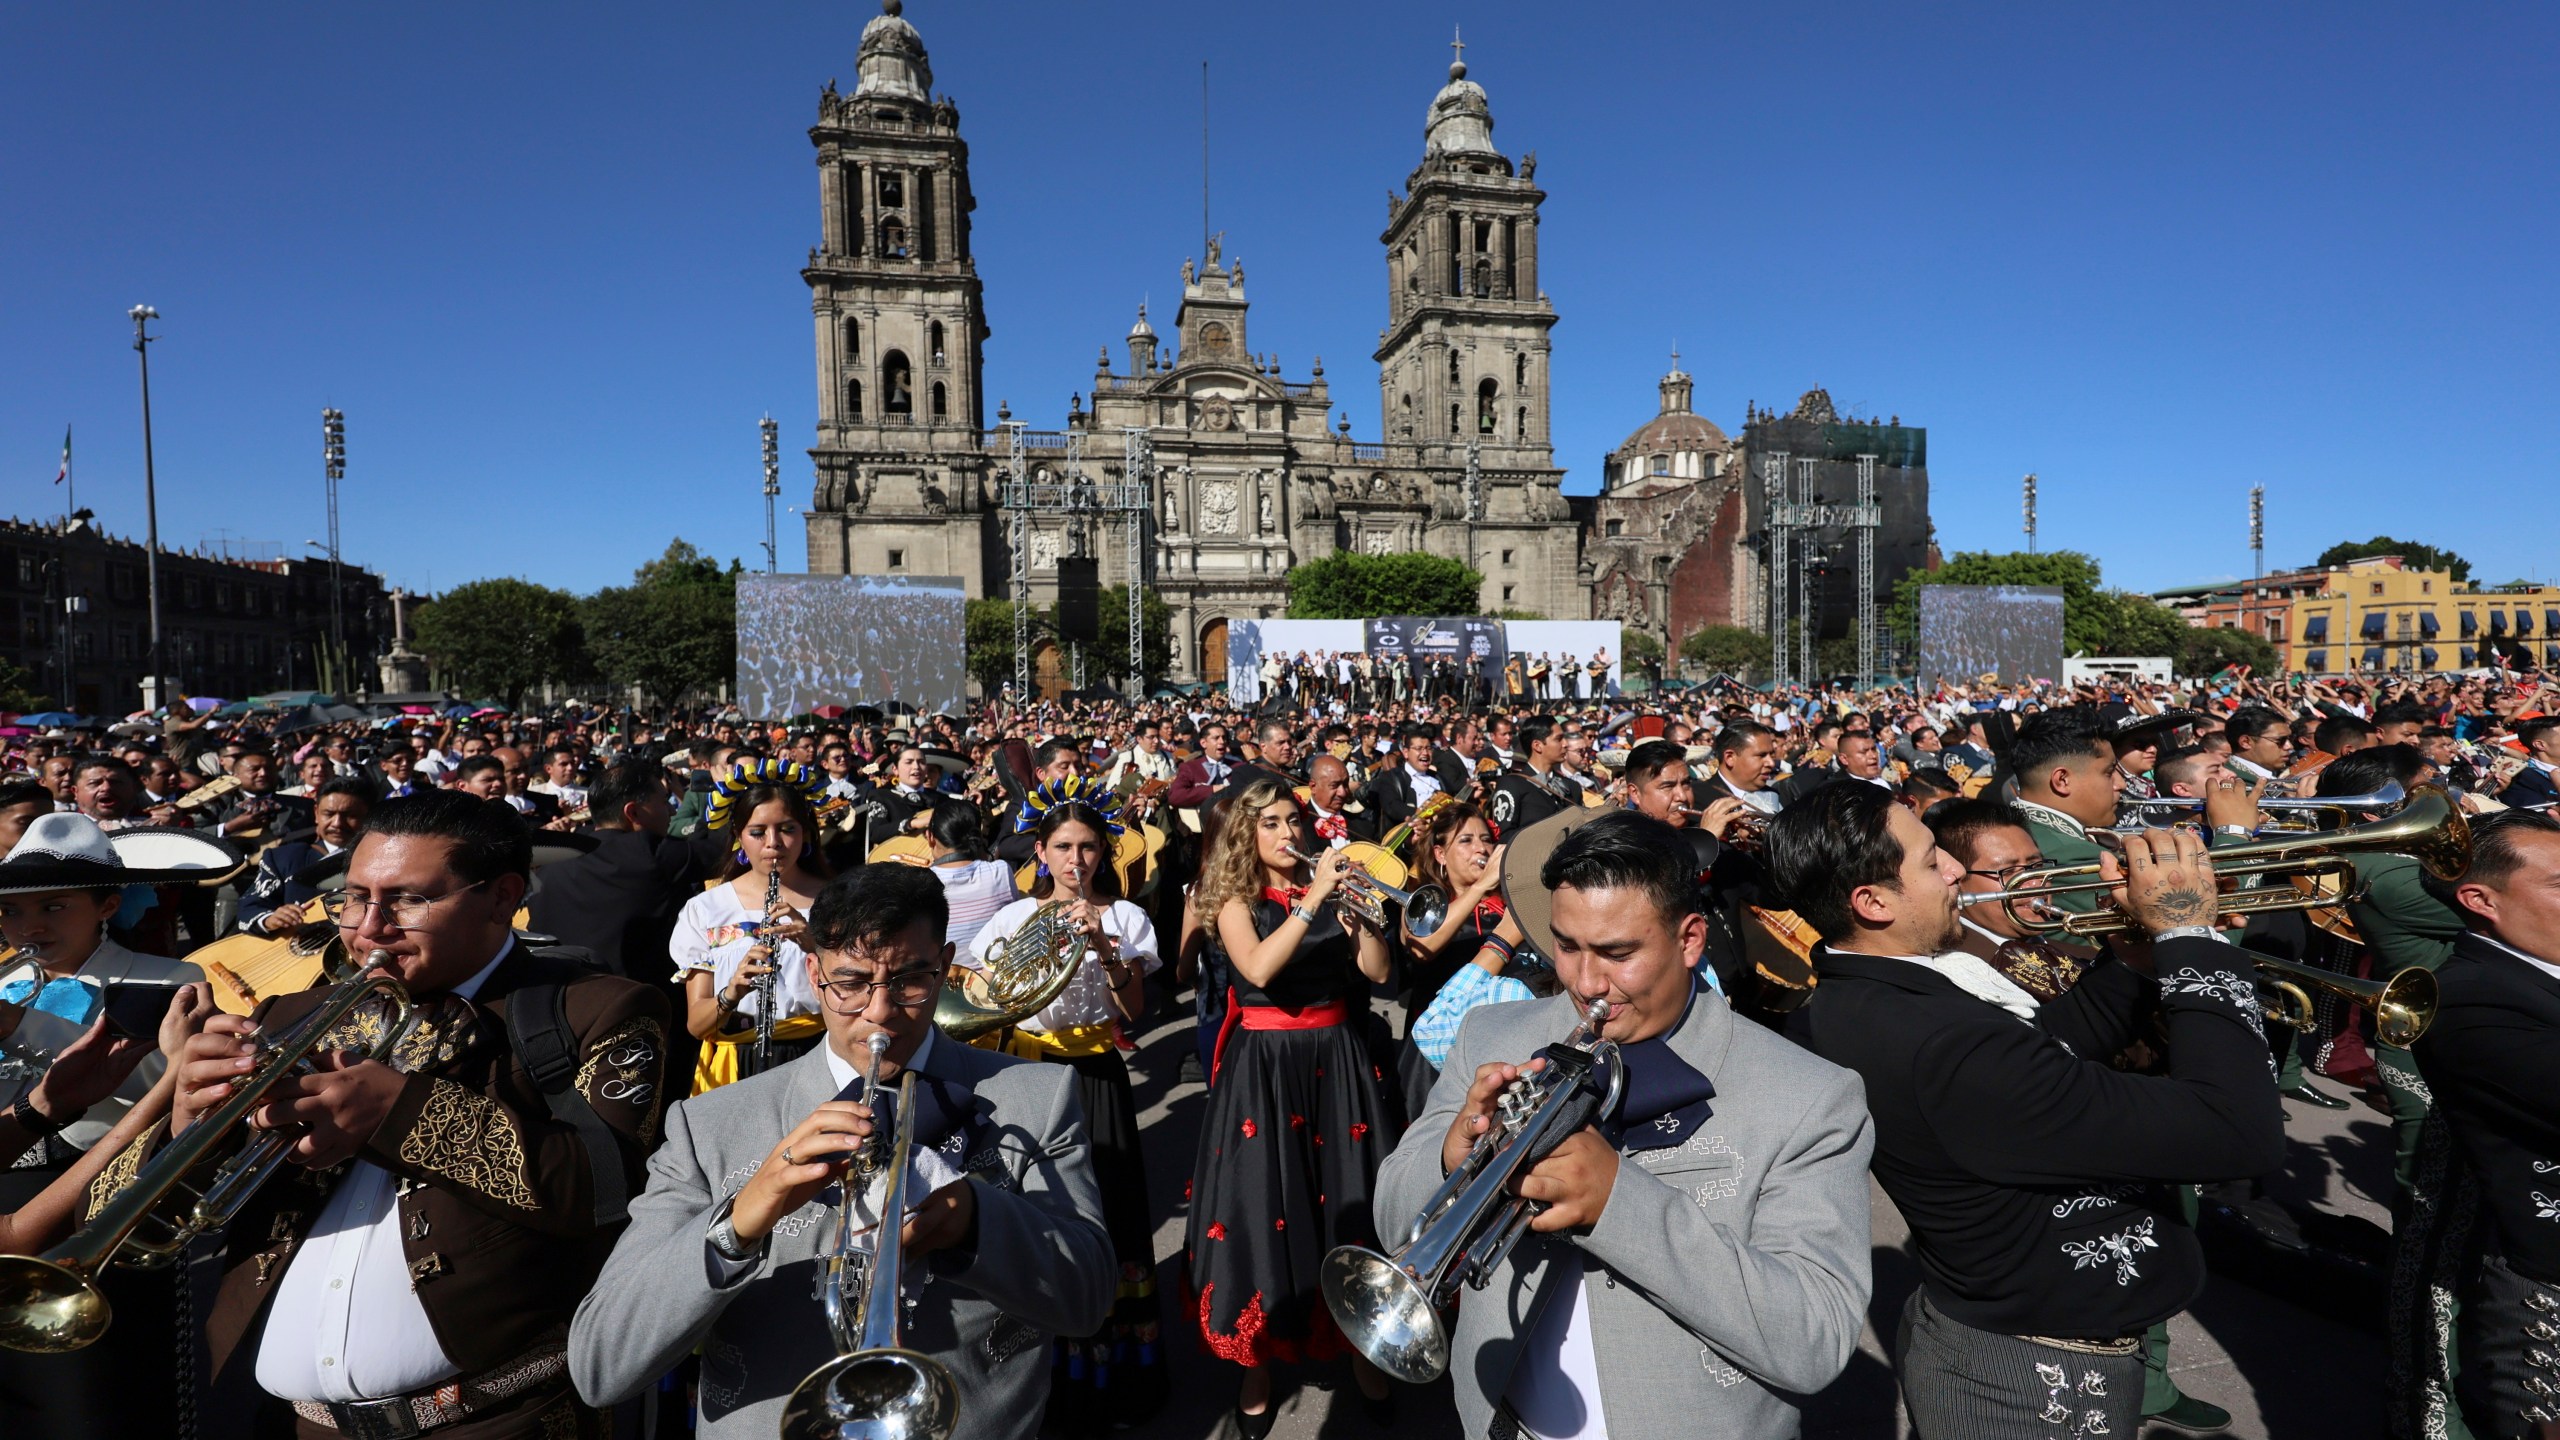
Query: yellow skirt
[(1067, 1044), (718, 1064)]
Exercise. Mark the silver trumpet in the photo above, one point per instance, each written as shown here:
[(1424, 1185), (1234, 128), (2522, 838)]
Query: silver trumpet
[(2307, 807), (1390, 1306), (875, 1388), (1367, 896)]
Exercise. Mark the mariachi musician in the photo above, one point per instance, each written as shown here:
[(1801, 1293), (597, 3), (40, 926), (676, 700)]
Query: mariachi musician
[(2492, 1059), (2037, 1179), (1533, 788)]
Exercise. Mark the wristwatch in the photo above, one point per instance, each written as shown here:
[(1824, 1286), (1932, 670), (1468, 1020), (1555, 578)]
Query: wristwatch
[(34, 1121), (724, 1238), (1305, 915), (2188, 932)]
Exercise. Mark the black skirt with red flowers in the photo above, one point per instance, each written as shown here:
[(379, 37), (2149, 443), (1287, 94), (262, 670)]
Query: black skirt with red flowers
[(1289, 1155)]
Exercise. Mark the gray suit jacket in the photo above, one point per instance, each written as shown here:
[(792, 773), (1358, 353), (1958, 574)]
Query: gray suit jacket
[(1727, 1277), (1043, 1266)]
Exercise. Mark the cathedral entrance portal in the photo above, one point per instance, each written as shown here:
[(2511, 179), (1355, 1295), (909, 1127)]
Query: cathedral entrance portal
[(1213, 652)]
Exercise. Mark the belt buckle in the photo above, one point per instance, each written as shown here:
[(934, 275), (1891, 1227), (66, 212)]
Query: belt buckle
[(393, 1419)]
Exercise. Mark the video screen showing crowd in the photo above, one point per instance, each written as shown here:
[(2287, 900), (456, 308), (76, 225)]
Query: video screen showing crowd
[(811, 640), (596, 1073)]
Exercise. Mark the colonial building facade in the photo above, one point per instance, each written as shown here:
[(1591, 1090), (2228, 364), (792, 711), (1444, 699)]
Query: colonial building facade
[(1241, 475)]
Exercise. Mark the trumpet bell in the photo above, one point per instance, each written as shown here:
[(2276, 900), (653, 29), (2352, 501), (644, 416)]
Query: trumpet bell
[(2405, 1008), (48, 1309), (1386, 1314), (890, 1394), (1424, 911)]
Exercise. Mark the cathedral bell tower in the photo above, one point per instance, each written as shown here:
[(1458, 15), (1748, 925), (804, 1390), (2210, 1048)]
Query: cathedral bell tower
[(900, 319), (1464, 355)]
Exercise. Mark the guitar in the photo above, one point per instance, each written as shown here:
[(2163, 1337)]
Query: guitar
[(248, 969)]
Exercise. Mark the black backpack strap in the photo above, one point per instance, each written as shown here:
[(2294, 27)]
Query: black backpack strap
[(538, 1019)]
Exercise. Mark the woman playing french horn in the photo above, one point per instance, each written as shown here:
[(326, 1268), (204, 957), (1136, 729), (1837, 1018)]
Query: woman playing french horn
[(1116, 1374)]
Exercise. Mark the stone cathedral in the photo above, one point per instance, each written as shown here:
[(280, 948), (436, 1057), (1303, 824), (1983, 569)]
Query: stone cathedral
[(1247, 477)]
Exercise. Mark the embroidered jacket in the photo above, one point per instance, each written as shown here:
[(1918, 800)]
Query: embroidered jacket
[(2492, 1059), (497, 1204), (2033, 1175)]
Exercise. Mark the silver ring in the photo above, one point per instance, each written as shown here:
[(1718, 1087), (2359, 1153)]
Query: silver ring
[(786, 1156)]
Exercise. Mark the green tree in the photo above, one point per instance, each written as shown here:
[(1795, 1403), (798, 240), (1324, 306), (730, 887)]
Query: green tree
[(1639, 647), (2415, 554), (2203, 651), (1346, 586), (1108, 662), (2138, 625), (14, 694), (672, 631), (1727, 648), (987, 628), (502, 637)]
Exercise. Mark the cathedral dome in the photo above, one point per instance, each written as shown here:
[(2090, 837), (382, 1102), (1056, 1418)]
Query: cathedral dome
[(1461, 119), (1142, 330), (892, 64), (1675, 444)]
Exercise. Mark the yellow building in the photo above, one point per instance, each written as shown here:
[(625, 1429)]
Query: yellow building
[(2375, 617)]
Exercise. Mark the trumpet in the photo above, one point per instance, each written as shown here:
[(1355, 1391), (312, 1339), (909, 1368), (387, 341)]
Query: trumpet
[(2429, 828), (875, 1388), (50, 1303), (22, 1065), (2383, 799), (1363, 892), (1390, 1307)]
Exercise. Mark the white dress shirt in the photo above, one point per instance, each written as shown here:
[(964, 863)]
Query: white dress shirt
[(1555, 1383), (346, 1323), (1425, 785), (2545, 966)]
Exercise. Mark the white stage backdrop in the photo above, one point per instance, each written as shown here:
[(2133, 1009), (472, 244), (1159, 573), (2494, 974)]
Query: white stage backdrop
[(1249, 640)]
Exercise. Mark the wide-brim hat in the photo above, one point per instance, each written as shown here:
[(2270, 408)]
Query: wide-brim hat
[(949, 762), (68, 851), (1531, 904)]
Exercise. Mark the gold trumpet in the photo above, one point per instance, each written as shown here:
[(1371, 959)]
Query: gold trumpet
[(2430, 828), (1366, 893), (50, 1303)]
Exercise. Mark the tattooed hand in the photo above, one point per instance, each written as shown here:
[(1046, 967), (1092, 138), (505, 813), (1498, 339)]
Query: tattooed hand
[(2166, 880)]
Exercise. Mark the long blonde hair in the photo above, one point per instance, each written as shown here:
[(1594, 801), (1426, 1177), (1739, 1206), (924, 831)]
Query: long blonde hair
[(1233, 870)]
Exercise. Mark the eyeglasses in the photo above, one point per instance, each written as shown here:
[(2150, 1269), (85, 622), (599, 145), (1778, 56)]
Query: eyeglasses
[(907, 987), (407, 909), (2006, 873)]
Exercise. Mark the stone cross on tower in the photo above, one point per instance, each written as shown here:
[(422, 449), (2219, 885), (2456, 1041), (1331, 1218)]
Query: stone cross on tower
[(1457, 46)]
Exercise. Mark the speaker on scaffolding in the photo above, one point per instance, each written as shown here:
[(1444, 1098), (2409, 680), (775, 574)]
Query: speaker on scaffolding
[(1079, 597)]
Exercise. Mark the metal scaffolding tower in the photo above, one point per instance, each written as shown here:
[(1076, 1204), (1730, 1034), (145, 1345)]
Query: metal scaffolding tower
[(1792, 512), (1867, 568), (1138, 468), (1773, 472), (1086, 506)]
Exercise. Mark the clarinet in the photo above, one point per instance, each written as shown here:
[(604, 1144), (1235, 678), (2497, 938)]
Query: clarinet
[(760, 1058)]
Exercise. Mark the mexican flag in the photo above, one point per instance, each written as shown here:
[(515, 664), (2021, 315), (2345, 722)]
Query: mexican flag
[(65, 472)]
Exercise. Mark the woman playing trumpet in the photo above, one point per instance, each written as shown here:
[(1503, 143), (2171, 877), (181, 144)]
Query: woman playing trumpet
[(1297, 1123), (1466, 962), (1115, 1375)]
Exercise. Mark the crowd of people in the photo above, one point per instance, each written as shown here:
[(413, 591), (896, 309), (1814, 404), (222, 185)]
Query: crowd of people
[(678, 978), (810, 640)]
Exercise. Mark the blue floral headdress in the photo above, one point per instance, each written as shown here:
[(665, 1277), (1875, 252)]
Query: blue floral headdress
[(1079, 789)]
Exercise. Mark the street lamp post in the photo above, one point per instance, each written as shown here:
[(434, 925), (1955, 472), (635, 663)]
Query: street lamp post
[(143, 315), (772, 434), (333, 461)]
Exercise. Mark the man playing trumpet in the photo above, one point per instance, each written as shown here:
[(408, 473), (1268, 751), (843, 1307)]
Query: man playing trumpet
[(1708, 1240), (1008, 1241)]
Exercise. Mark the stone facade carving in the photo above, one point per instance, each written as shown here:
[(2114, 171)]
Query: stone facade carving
[(1218, 508)]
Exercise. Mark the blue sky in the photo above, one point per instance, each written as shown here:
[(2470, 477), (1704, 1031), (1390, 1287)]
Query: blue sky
[(546, 257)]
